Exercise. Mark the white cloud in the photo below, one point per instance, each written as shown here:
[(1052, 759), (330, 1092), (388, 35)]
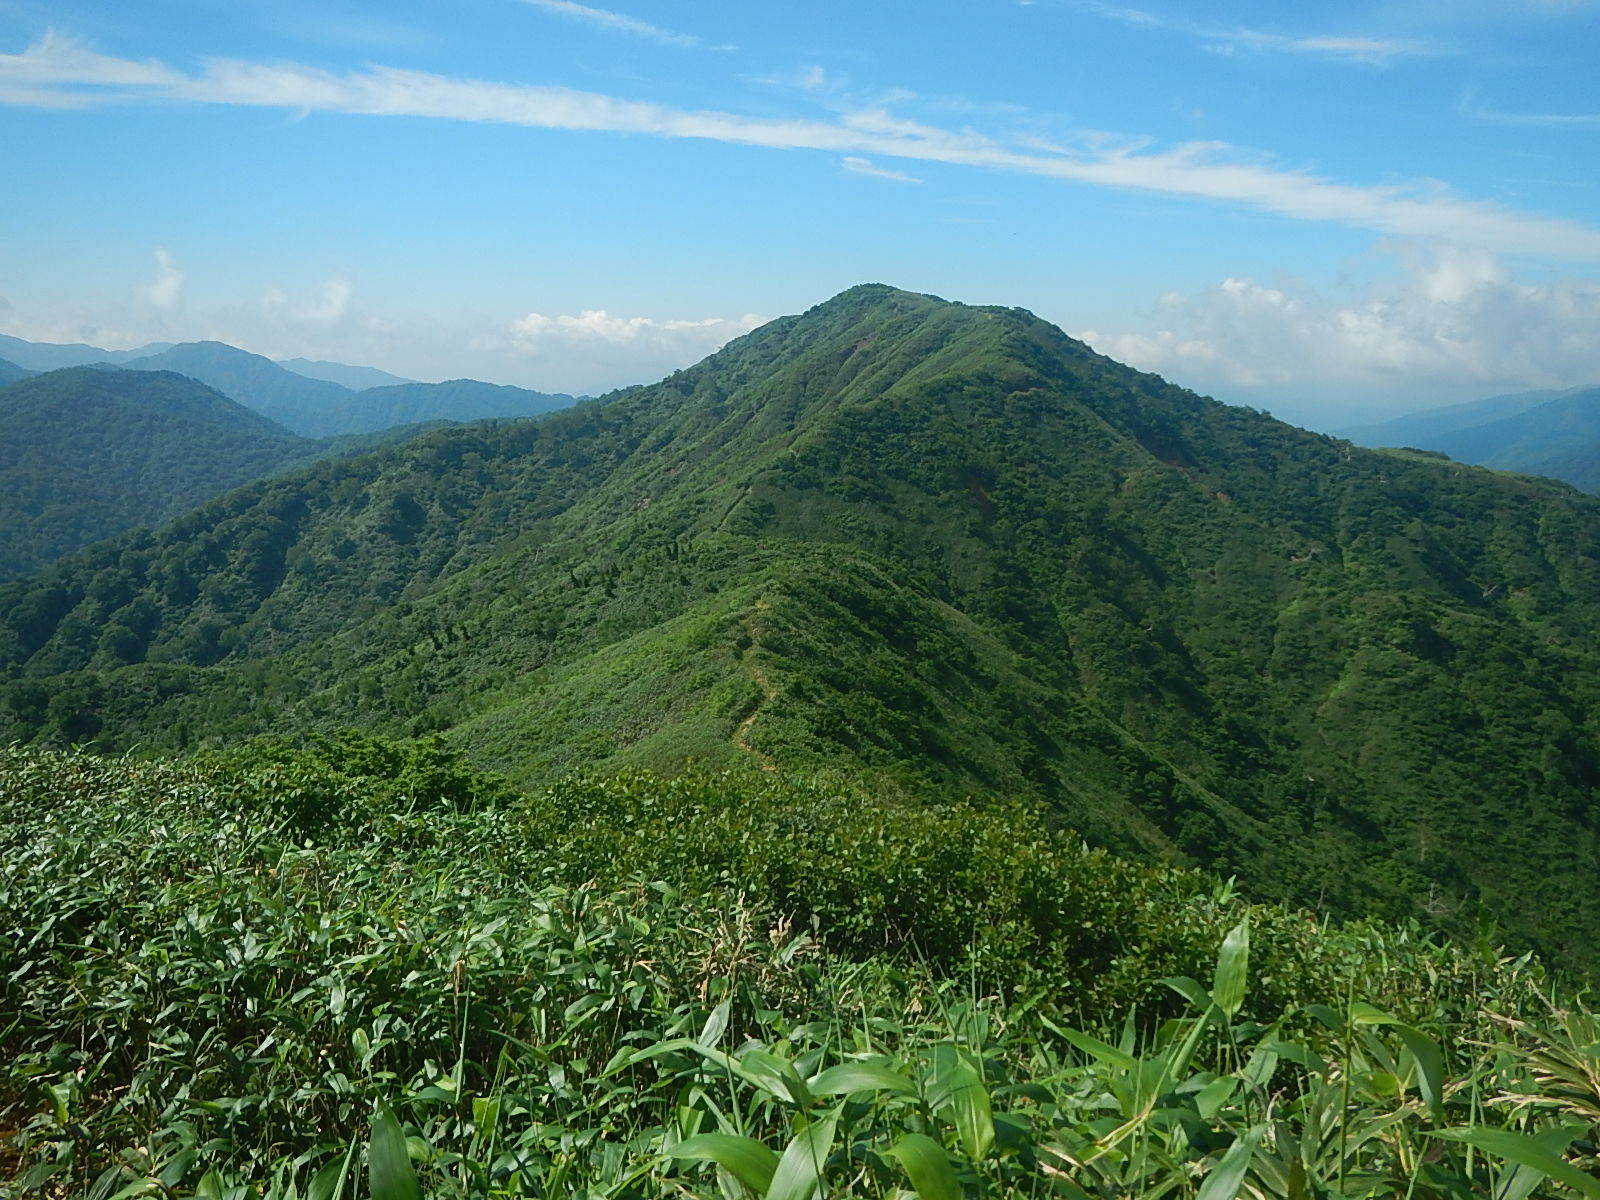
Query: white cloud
[(864, 166), (329, 305), (166, 289), (1203, 170), (57, 59), (1471, 108), (1231, 40), (537, 334), (614, 21), (1445, 320)]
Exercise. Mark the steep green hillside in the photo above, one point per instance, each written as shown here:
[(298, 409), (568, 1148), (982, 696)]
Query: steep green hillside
[(88, 453), (11, 373), (938, 549)]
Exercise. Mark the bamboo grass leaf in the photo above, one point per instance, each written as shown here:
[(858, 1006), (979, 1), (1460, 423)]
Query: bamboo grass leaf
[(746, 1159), (928, 1166)]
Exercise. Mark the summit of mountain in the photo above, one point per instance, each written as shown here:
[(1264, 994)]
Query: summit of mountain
[(934, 548)]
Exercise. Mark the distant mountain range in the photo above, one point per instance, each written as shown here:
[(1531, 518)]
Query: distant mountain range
[(345, 375), (940, 550), (309, 398), (1553, 433)]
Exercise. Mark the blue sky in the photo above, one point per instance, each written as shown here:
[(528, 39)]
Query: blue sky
[(1328, 211)]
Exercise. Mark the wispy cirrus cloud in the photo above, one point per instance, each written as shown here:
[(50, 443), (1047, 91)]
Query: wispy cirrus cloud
[(616, 22), (1223, 39), (1210, 171), (857, 165), (1470, 107)]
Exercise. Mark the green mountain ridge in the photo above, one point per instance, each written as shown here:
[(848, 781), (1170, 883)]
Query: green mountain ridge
[(935, 549)]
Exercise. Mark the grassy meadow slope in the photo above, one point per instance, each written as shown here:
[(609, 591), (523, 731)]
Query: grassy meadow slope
[(937, 550)]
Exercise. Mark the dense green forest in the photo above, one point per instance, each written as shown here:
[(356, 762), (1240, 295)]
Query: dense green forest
[(941, 552), (10, 372), (359, 967), (89, 453)]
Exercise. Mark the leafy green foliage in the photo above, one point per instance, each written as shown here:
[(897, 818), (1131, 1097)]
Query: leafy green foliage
[(203, 1001), (943, 551)]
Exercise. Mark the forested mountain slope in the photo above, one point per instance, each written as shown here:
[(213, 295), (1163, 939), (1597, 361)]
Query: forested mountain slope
[(89, 452), (942, 549), (11, 373)]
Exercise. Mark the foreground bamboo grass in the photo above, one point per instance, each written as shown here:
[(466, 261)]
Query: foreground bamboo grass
[(364, 970)]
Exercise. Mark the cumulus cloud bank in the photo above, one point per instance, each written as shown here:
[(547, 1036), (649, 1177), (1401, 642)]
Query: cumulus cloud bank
[(596, 345), (1445, 320)]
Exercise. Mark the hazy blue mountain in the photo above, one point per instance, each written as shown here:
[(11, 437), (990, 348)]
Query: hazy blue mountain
[(10, 372), (344, 374), (1423, 429), (295, 401), (1566, 424), (51, 356), (1554, 433)]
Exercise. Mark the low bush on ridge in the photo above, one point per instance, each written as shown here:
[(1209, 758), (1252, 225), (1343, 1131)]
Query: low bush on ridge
[(308, 972)]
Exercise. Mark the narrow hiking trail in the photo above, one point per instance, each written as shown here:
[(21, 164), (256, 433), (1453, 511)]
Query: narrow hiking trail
[(741, 731)]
